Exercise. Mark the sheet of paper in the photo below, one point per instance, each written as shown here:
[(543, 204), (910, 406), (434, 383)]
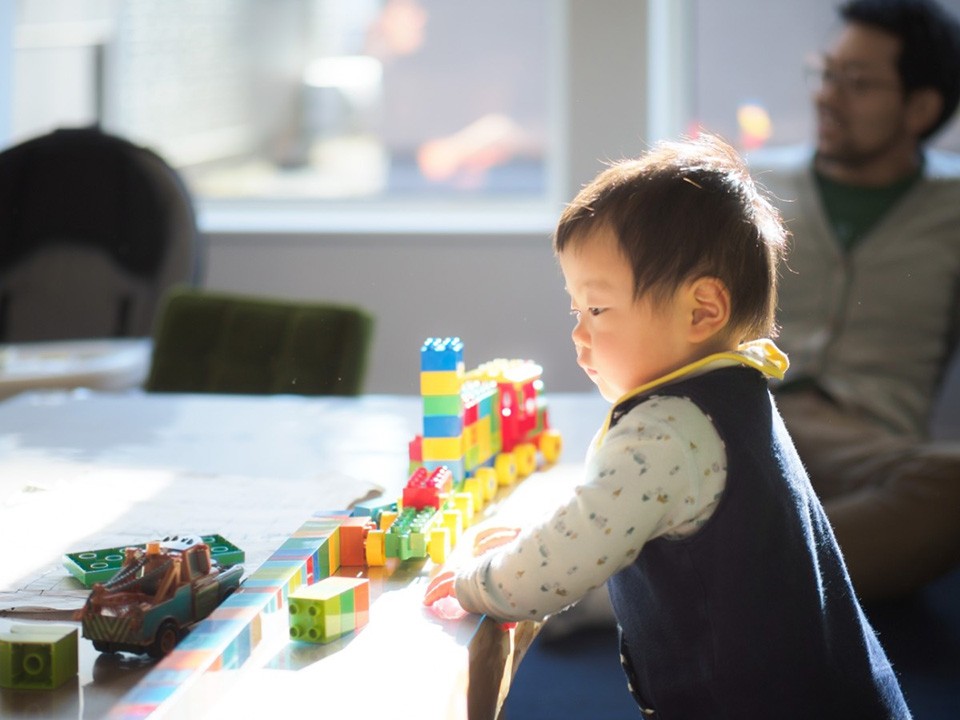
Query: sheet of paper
[(59, 506)]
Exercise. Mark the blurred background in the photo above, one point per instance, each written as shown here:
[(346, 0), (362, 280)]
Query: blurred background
[(409, 156)]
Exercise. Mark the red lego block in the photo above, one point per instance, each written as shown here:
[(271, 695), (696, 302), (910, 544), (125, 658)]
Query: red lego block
[(424, 490), (353, 532), (415, 449), (470, 413)]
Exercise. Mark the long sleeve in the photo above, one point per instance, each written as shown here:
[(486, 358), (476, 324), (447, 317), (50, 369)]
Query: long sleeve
[(658, 472)]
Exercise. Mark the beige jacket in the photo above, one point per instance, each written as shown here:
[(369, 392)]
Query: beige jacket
[(873, 328)]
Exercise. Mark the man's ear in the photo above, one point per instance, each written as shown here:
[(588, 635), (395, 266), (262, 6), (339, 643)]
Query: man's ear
[(924, 106), (710, 303)]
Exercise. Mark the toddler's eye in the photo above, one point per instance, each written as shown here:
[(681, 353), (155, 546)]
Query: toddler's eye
[(595, 311)]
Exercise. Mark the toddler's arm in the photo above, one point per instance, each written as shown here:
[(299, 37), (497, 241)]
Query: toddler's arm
[(661, 468)]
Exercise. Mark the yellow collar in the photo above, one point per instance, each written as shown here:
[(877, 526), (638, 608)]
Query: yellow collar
[(762, 355)]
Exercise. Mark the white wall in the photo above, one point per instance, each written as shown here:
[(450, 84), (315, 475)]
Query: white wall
[(503, 294)]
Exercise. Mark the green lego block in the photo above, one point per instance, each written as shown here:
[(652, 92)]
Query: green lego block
[(434, 405), (224, 551), (39, 657), (97, 566), (418, 545), (472, 459), (324, 611), (405, 552), (391, 544), (348, 613), (94, 566)]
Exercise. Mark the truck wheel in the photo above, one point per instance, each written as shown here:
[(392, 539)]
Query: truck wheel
[(551, 443), (525, 455), (165, 641)]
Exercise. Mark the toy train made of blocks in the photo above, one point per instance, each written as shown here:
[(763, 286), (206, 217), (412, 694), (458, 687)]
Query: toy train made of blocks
[(482, 429)]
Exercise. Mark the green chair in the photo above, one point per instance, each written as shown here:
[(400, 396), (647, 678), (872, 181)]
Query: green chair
[(210, 342)]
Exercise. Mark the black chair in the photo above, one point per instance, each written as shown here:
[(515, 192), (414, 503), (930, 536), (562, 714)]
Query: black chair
[(93, 230), (213, 342)]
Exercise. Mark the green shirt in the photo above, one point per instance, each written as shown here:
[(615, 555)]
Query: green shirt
[(852, 209)]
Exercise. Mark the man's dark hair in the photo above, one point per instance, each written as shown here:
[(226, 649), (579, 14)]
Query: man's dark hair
[(930, 45)]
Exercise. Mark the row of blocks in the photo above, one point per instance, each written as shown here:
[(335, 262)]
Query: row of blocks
[(227, 637)]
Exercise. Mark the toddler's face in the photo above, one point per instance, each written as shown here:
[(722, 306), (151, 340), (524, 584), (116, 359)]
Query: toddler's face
[(621, 342)]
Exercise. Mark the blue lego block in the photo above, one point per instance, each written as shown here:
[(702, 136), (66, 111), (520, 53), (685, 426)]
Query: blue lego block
[(444, 426), (441, 354), (485, 407), (374, 508)]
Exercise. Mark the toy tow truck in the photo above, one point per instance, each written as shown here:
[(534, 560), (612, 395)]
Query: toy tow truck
[(159, 592)]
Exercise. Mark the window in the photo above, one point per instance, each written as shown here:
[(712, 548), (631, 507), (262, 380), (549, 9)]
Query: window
[(337, 101), (748, 58)]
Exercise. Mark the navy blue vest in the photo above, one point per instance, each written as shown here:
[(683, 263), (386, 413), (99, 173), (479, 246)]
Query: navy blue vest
[(754, 615)]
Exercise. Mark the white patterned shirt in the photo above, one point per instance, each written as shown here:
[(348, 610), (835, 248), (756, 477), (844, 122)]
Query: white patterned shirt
[(659, 472)]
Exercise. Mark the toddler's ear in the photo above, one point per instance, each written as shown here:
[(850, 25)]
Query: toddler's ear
[(710, 302)]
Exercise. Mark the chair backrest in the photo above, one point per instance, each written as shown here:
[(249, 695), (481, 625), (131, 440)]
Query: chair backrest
[(93, 230), (211, 342)]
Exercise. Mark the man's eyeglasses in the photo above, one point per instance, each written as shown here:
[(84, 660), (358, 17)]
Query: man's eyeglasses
[(849, 81)]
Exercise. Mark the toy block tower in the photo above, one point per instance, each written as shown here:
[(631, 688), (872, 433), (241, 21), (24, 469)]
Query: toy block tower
[(37, 656), (441, 379)]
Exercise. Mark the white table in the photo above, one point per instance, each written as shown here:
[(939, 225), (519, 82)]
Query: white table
[(82, 470), (115, 364)]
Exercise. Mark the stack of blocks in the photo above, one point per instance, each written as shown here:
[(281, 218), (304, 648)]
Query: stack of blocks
[(441, 377), (328, 609), (460, 418), (40, 657)]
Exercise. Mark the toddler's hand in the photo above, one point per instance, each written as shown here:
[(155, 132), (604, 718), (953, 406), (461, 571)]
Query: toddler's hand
[(440, 586), (494, 537)]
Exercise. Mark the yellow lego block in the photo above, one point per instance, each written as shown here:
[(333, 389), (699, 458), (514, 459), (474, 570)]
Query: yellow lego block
[(463, 502), (506, 467), (438, 546), (525, 456), (333, 552), (472, 485), (470, 435), (374, 548), (440, 382), (443, 448), (453, 522), (387, 518), (487, 477)]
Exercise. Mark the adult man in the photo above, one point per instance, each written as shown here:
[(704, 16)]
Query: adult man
[(869, 298)]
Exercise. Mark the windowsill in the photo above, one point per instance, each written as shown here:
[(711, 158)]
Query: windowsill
[(298, 219)]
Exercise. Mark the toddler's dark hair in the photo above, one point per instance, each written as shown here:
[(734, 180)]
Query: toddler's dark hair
[(684, 210)]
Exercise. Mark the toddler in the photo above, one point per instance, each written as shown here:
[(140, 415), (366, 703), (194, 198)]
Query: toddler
[(730, 593)]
